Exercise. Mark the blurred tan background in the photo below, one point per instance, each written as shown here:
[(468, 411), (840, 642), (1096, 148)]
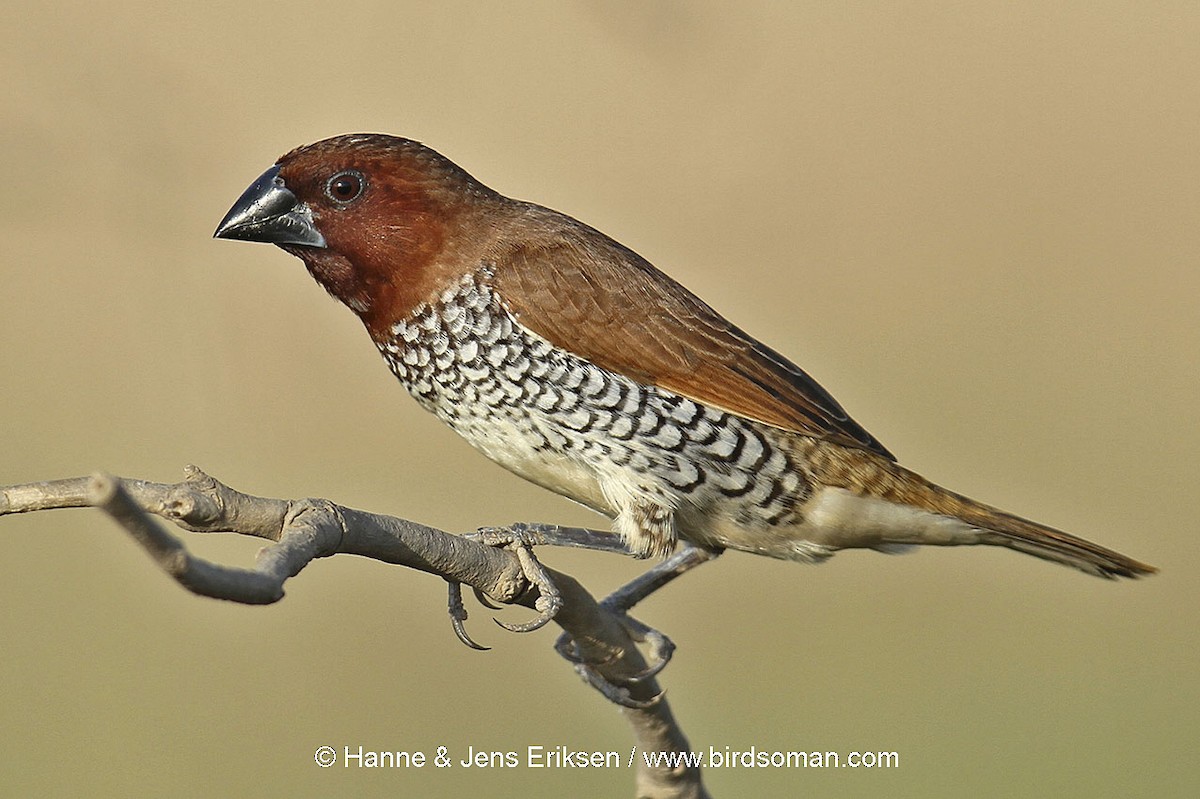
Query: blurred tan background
[(976, 226)]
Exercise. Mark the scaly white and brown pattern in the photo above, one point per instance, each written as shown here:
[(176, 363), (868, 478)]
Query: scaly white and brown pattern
[(637, 453)]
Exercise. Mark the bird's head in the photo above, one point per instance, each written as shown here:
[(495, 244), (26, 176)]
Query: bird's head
[(378, 220)]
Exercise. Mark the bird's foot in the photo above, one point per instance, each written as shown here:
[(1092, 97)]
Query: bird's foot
[(659, 646), (659, 651), (519, 539)]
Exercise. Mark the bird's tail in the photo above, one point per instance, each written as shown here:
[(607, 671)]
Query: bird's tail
[(994, 526)]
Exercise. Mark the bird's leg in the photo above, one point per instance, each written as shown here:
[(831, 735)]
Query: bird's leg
[(687, 558), (521, 538), (553, 535), (619, 603)]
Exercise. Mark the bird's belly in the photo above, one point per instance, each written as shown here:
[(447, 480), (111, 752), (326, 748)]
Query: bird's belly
[(510, 445)]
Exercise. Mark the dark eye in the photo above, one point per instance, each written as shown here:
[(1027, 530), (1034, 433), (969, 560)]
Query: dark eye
[(346, 187)]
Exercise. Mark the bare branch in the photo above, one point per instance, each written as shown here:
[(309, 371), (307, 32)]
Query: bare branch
[(304, 530)]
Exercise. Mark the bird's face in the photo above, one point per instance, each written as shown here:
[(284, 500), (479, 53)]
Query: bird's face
[(369, 216)]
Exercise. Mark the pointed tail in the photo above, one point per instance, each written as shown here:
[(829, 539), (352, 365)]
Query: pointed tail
[(997, 527)]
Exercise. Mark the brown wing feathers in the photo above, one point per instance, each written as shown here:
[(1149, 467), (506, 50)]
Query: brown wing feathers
[(593, 297)]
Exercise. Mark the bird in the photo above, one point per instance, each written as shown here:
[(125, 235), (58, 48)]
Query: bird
[(570, 360)]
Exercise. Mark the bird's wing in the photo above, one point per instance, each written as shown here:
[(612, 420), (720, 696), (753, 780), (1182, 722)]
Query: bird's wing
[(591, 296)]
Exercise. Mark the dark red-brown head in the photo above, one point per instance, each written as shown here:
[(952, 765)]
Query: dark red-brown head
[(383, 223)]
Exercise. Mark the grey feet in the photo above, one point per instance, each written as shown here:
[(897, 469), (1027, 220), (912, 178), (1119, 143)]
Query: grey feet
[(659, 651), (521, 538), (659, 647)]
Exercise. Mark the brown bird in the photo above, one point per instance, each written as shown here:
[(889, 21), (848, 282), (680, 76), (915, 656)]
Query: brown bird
[(572, 361)]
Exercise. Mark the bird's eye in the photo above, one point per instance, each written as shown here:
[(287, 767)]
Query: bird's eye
[(346, 187)]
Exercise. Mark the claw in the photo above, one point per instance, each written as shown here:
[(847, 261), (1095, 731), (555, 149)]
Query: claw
[(458, 615), (548, 603), (615, 693), (619, 604), (483, 599), (568, 650), (661, 651), (661, 648), (524, 627), (519, 540), (461, 631)]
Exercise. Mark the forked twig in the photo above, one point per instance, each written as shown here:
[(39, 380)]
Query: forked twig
[(300, 531)]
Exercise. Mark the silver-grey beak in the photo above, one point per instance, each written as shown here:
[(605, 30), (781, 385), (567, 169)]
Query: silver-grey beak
[(269, 212)]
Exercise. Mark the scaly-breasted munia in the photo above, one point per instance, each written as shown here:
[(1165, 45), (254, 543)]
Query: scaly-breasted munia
[(570, 360)]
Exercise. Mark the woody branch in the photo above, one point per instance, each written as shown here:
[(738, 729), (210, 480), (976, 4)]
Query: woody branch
[(304, 530)]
